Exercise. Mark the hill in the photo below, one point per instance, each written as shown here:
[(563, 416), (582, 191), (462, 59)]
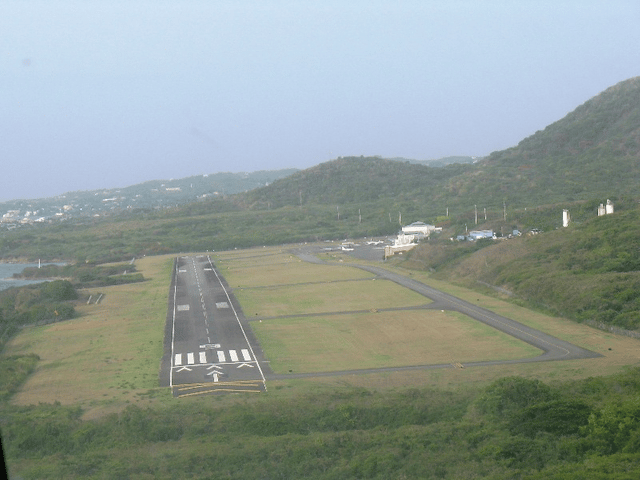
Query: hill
[(151, 195), (353, 180), (593, 151)]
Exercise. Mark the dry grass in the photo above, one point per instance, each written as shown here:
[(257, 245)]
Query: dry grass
[(108, 356), (383, 339), (280, 269), (326, 297)]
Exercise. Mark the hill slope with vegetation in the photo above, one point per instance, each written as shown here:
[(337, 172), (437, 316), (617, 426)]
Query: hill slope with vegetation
[(589, 271), (593, 151)]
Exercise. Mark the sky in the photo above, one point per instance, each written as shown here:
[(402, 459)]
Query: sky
[(109, 93)]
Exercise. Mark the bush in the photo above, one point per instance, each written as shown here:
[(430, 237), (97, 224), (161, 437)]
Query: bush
[(560, 417), (509, 395), (59, 291)]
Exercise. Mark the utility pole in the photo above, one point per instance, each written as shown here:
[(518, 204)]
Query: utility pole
[(475, 209)]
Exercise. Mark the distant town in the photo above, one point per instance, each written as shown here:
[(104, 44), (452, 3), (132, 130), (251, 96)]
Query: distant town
[(152, 195)]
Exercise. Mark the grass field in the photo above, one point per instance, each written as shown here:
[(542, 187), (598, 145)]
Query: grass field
[(383, 339), (109, 357)]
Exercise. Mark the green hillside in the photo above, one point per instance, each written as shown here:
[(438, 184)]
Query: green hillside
[(589, 271), (354, 180), (593, 151)]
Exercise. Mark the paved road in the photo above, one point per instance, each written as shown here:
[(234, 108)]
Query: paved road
[(209, 347), (553, 349)]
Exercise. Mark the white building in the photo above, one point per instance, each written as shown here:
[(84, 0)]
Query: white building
[(420, 229), (401, 243), (478, 234), (605, 209)]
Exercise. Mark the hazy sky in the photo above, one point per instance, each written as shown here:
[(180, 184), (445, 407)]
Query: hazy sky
[(106, 93)]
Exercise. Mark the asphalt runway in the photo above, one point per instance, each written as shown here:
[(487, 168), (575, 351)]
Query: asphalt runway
[(209, 347)]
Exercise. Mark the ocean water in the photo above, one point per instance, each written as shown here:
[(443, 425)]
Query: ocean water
[(8, 269)]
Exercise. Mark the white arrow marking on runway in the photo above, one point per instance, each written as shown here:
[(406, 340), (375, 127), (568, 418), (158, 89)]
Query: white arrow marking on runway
[(245, 365), (214, 375), (184, 368)]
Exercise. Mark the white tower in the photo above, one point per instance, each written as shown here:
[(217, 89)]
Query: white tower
[(609, 207), (566, 218)]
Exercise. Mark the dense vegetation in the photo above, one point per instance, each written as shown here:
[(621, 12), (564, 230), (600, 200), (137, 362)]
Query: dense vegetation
[(85, 275), (43, 302), (513, 428)]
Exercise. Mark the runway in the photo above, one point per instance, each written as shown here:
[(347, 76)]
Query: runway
[(209, 348)]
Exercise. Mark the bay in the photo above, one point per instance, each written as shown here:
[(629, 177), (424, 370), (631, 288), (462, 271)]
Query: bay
[(8, 269)]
